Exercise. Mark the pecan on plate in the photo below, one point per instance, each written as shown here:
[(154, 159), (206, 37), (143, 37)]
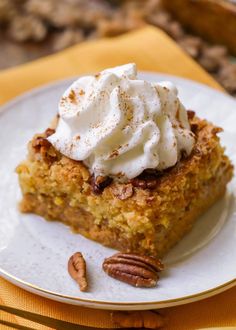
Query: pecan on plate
[(77, 270), (138, 319), (134, 269)]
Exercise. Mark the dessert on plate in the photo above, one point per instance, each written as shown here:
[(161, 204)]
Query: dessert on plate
[(124, 163)]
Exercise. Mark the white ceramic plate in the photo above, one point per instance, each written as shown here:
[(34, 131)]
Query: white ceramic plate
[(34, 253)]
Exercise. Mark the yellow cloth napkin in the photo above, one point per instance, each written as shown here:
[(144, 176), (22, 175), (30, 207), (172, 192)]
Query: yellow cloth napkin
[(152, 50)]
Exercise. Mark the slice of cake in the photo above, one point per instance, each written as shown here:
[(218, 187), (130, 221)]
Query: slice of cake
[(125, 164)]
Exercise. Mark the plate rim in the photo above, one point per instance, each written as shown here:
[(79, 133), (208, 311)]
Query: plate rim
[(100, 303), (106, 304)]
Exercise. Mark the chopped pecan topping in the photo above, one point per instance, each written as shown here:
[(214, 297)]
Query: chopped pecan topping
[(197, 151), (42, 146), (139, 183), (100, 183), (134, 269), (40, 142), (194, 128), (183, 154), (190, 114), (138, 319), (123, 191), (216, 130), (77, 270), (149, 183), (49, 131)]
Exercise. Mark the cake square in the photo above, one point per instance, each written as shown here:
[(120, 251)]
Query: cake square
[(148, 214)]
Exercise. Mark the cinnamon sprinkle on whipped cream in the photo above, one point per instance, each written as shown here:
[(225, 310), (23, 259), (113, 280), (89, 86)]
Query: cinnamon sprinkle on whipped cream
[(125, 124)]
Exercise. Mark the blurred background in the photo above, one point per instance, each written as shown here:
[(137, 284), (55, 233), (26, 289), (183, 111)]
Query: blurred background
[(205, 29)]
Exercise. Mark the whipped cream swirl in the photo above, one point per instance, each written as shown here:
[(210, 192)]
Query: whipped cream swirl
[(119, 125)]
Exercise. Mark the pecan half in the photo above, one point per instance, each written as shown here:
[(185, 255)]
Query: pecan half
[(77, 270), (122, 191), (134, 269), (139, 319)]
